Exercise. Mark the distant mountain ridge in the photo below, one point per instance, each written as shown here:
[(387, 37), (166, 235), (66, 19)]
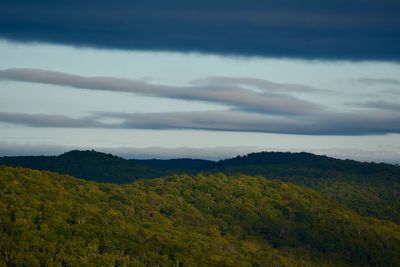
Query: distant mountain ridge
[(103, 167), (370, 189), (159, 167)]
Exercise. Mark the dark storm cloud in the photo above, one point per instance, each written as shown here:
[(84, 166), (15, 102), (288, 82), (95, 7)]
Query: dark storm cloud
[(270, 98), (310, 29)]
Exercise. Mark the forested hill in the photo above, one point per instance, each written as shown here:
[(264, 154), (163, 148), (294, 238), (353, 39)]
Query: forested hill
[(102, 167), (307, 164), (47, 219), (370, 189)]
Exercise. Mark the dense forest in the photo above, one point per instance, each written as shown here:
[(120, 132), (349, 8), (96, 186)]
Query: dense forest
[(369, 189), (47, 219), (102, 167)]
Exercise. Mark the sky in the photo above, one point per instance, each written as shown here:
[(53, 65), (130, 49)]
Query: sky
[(212, 79)]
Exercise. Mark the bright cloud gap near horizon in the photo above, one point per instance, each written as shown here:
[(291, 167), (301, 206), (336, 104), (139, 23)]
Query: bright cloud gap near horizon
[(120, 98)]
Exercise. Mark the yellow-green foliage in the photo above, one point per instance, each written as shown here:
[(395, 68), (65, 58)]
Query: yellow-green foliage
[(48, 219)]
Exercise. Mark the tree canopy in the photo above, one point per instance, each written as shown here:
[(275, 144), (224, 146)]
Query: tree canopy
[(47, 219)]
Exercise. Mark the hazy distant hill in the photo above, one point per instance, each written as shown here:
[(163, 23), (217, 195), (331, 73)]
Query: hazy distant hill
[(368, 188), (206, 220)]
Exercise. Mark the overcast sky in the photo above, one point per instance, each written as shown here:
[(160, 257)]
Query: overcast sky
[(235, 78)]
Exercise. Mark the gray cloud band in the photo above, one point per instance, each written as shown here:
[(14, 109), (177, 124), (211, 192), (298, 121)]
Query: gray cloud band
[(228, 91), (365, 123), (270, 108), (44, 120)]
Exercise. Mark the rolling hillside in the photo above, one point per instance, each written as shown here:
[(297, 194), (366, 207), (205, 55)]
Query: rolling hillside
[(48, 219), (370, 189)]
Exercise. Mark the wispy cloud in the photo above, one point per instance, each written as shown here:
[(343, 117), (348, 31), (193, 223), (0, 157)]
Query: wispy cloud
[(45, 120), (379, 105), (378, 81), (259, 84), (324, 123), (355, 123), (271, 98), (252, 105)]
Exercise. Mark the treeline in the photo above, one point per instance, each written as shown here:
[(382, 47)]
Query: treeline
[(47, 219), (102, 167)]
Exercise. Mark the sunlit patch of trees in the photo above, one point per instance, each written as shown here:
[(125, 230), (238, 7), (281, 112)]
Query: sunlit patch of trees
[(47, 219)]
